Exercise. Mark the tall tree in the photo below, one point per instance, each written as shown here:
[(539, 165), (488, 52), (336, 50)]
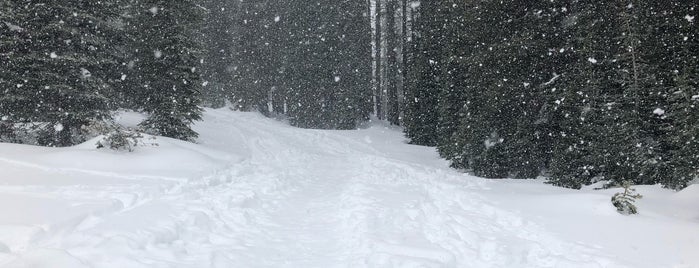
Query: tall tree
[(423, 84), (55, 51), (168, 65), (218, 30)]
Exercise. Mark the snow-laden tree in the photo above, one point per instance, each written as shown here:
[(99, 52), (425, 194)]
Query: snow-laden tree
[(168, 57), (53, 53)]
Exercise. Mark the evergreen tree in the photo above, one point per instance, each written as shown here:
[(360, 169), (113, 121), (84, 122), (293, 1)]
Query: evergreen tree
[(218, 33), (168, 56), (674, 48), (577, 112), (54, 53), (260, 56), (328, 71), (423, 84)]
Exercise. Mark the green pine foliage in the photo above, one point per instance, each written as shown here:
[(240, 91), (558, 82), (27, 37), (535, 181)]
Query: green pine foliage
[(311, 66), (168, 62), (70, 63), (576, 91), (54, 52), (424, 86), (624, 202)]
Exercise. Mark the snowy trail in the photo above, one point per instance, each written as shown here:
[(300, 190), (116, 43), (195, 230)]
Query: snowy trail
[(297, 198)]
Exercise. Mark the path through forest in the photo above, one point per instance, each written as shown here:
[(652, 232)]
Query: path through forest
[(288, 197)]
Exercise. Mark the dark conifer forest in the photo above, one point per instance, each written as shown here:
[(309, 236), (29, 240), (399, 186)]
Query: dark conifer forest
[(576, 91)]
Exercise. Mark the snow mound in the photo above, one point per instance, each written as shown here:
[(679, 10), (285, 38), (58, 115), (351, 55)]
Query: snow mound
[(690, 194)]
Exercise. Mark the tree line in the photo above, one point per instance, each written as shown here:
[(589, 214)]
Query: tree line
[(306, 61), (68, 64), (577, 91)]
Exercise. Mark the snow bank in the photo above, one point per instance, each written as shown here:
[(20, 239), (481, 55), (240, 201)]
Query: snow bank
[(664, 234), (255, 192)]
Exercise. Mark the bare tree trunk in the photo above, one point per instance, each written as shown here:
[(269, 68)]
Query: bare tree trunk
[(380, 66), (392, 63), (373, 15)]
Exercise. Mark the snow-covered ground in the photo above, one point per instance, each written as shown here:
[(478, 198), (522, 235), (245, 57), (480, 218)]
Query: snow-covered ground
[(258, 193)]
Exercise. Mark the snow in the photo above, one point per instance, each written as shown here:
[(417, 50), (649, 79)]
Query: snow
[(53, 55), (58, 127), (13, 27), (553, 79), (154, 10), (659, 112), (689, 18), (592, 60), (255, 192), (85, 73)]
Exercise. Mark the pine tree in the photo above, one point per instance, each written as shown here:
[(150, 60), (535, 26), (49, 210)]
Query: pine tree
[(452, 97), (580, 109), (168, 60), (55, 53), (423, 83), (624, 201), (328, 71), (674, 48), (261, 51), (218, 33)]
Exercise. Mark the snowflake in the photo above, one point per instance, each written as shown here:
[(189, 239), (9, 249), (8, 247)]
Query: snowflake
[(659, 112)]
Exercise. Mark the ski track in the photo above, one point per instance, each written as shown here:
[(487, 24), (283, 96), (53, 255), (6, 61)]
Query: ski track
[(300, 198)]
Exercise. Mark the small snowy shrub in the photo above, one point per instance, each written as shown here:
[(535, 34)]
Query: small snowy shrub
[(118, 138), (624, 201), (7, 134), (121, 140)]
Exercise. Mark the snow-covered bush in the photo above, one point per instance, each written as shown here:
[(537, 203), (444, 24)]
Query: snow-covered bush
[(624, 202), (6, 132), (120, 139)]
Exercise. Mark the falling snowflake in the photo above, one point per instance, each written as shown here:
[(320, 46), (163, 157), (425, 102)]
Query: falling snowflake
[(337, 79), (53, 55), (592, 60), (659, 112), (85, 73), (154, 10), (14, 27), (689, 18), (157, 53), (58, 127)]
